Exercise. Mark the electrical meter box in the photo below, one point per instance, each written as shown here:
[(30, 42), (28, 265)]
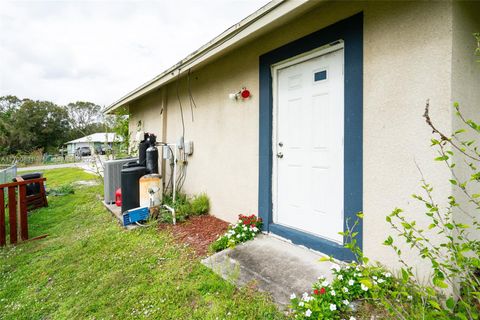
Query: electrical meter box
[(167, 152)]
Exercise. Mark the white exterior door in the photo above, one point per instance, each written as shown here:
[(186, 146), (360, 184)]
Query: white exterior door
[(308, 155)]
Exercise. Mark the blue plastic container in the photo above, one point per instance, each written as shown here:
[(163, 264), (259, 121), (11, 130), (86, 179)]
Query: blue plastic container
[(134, 215)]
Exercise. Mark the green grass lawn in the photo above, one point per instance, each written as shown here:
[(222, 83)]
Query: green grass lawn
[(89, 267)]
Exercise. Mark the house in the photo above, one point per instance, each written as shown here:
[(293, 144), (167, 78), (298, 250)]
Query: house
[(331, 123), (93, 141)]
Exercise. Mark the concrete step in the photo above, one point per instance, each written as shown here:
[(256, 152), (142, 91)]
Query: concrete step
[(277, 266)]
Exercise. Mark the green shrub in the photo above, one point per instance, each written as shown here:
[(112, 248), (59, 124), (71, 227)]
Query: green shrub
[(200, 204), (184, 207), (245, 229), (220, 244), (182, 211), (165, 216), (180, 198)]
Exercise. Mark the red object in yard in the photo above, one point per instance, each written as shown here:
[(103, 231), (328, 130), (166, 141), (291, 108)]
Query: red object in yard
[(118, 197)]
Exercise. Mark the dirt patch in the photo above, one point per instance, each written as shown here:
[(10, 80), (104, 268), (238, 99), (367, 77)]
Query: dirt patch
[(198, 232)]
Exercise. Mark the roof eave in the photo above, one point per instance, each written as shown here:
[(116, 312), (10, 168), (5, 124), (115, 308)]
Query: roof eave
[(241, 31)]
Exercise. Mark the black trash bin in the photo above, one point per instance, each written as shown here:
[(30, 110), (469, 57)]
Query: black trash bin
[(130, 187), (32, 188)]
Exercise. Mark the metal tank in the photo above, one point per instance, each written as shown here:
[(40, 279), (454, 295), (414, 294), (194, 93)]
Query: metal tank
[(152, 155), (142, 150)]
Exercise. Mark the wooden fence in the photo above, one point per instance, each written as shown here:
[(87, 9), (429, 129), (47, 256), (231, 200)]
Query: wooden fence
[(18, 204)]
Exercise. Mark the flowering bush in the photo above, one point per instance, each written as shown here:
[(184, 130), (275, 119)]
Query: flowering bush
[(245, 229), (334, 300)]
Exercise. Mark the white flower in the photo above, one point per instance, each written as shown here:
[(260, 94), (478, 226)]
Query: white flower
[(333, 293), (322, 277), (351, 282), (325, 283), (305, 296), (381, 280), (333, 307), (335, 267), (352, 318), (357, 275), (308, 313), (255, 229), (240, 221), (345, 289), (356, 268), (340, 277), (293, 296), (311, 298), (345, 302), (409, 297), (238, 236), (301, 304), (364, 287), (374, 277), (347, 267), (388, 274), (244, 228)]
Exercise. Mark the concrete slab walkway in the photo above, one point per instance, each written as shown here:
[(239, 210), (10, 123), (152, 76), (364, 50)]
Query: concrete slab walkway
[(277, 267)]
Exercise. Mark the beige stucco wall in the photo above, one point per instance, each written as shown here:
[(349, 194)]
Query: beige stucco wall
[(149, 112), (466, 91), (407, 59)]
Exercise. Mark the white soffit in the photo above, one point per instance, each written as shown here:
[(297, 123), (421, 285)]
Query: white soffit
[(256, 24)]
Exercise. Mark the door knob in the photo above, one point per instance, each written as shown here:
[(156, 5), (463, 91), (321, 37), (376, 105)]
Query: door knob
[(279, 155)]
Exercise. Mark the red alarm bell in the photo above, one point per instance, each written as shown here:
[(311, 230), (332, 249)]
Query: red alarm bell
[(245, 93)]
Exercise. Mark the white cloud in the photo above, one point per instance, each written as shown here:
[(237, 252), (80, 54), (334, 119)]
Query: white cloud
[(99, 50)]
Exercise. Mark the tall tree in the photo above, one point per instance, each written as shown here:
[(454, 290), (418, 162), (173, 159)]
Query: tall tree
[(9, 104), (26, 125), (8, 107), (39, 124), (85, 118)]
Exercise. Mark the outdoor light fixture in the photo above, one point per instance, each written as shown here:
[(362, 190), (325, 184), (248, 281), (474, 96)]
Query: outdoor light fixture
[(244, 94)]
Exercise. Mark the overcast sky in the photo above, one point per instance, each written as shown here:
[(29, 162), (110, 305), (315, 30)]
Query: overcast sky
[(100, 50)]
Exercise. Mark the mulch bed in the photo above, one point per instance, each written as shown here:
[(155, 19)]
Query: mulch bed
[(198, 232)]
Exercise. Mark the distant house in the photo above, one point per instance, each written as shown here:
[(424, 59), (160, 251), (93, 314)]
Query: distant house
[(93, 141), (307, 112)]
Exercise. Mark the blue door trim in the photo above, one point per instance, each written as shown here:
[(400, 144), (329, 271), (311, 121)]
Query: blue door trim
[(350, 31)]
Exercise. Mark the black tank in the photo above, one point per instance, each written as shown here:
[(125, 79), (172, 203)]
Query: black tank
[(152, 155), (130, 187), (142, 150)]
